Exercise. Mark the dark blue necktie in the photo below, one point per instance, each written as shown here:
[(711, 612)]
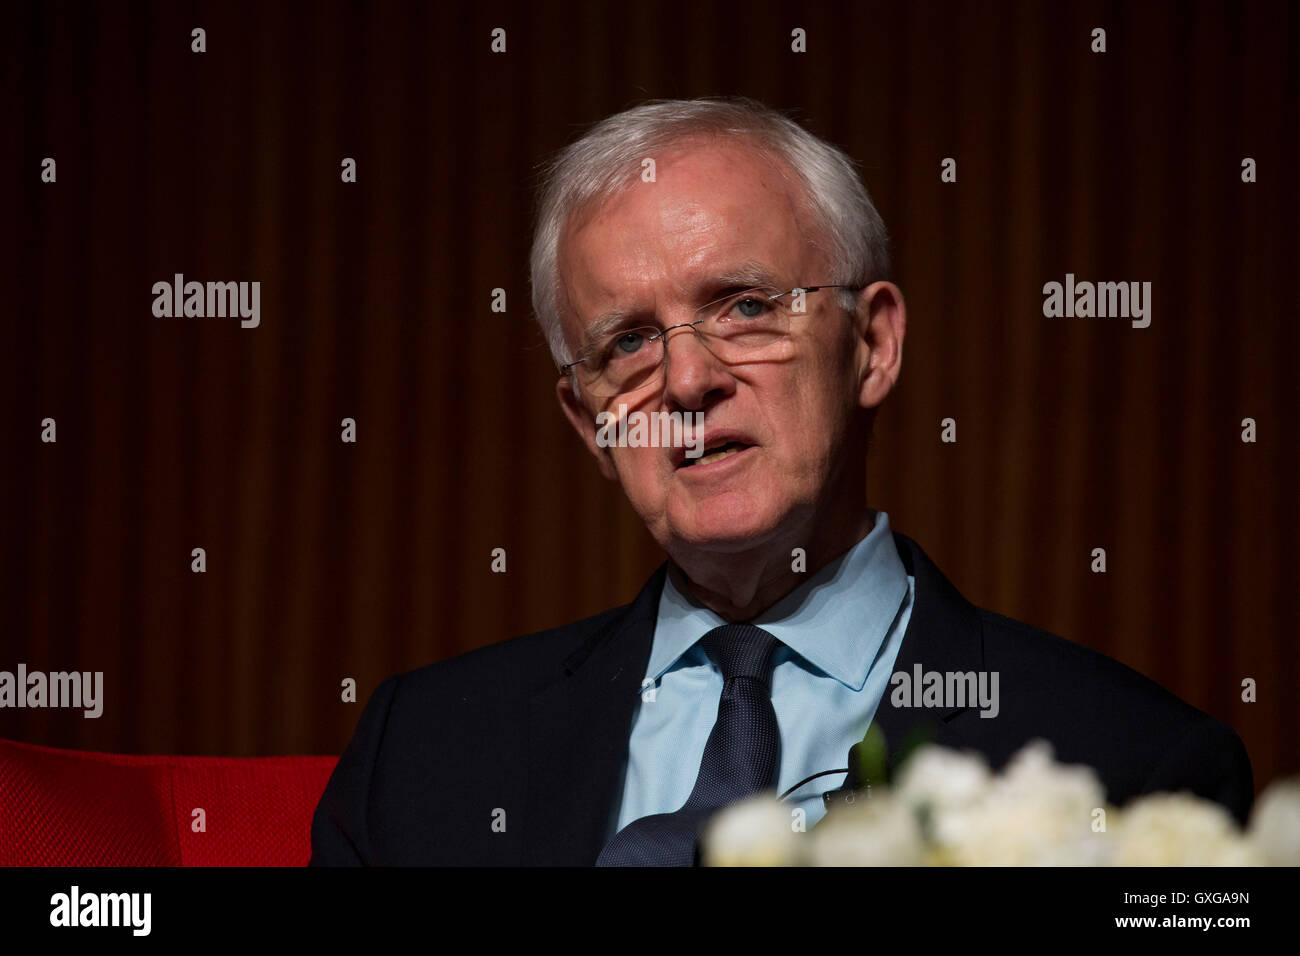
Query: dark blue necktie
[(740, 757)]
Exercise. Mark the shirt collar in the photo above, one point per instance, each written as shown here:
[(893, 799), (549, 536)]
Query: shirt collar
[(837, 620)]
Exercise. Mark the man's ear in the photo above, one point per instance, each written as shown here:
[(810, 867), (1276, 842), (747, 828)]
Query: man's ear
[(584, 423), (879, 325)]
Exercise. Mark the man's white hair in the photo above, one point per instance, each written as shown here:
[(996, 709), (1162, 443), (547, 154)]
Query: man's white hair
[(589, 171)]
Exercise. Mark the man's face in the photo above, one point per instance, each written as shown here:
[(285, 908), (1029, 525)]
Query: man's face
[(657, 250)]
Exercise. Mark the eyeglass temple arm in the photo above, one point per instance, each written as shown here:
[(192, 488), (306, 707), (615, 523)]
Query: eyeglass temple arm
[(817, 288)]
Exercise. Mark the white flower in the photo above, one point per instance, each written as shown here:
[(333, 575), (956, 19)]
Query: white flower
[(936, 777), (879, 830), (1036, 813), (757, 831), (1275, 823), (1178, 829), (948, 808)]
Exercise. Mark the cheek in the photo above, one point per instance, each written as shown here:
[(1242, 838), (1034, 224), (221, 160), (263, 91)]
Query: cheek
[(641, 472), (811, 418), (801, 402)]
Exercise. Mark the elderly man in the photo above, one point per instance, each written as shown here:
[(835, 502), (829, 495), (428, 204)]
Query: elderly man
[(712, 258)]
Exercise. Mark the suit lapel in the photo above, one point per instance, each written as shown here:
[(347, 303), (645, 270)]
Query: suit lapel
[(579, 725), (578, 736), (943, 634)]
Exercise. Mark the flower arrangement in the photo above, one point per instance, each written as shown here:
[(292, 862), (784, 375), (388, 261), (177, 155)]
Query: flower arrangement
[(947, 808)]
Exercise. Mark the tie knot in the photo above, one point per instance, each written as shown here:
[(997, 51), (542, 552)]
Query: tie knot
[(741, 650)]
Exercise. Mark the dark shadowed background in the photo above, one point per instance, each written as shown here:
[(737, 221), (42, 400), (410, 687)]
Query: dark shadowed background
[(328, 560)]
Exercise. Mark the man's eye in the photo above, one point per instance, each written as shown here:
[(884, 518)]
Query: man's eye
[(626, 344), (750, 307)]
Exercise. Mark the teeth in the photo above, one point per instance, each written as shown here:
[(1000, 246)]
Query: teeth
[(723, 452)]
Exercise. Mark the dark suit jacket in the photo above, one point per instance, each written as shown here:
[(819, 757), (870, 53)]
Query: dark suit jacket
[(530, 734)]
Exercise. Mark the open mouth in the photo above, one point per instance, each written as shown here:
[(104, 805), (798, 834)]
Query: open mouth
[(716, 452)]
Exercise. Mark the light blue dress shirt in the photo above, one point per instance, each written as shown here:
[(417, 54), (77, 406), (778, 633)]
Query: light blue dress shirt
[(841, 631)]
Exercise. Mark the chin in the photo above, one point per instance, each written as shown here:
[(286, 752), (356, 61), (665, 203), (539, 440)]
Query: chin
[(727, 524)]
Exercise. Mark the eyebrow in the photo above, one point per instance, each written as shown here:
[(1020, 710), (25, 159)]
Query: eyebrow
[(749, 273)]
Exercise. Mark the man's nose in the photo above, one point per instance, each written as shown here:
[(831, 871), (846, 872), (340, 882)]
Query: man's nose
[(691, 371)]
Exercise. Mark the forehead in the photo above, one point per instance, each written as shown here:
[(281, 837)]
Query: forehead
[(712, 209)]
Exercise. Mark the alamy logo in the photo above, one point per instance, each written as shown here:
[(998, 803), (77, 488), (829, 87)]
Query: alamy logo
[(946, 689), (58, 689), (199, 300), (75, 908), (651, 430), (1086, 300)]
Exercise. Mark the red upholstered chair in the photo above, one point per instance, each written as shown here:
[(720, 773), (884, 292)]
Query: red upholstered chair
[(78, 808)]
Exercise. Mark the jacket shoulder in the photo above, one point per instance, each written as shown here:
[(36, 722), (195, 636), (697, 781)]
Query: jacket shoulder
[(439, 744), (1097, 710), (1075, 672), (516, 666)]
